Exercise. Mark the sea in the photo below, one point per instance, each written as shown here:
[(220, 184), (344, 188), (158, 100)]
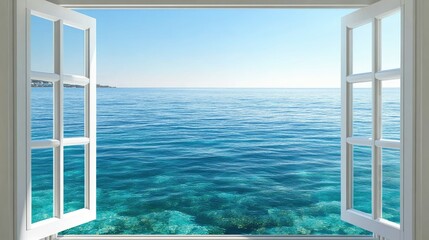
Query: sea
[(215, 161)]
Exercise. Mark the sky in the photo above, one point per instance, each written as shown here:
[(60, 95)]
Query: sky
[(216, 48)]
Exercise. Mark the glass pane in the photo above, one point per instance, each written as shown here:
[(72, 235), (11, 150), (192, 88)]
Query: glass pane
[(391, 41), (42, 185), (74, 111), (391, 184), (362, 178), (42, 45), (391, 109), (362, 109), (362, 49), (74, 178), (74, 51), (42, 110)]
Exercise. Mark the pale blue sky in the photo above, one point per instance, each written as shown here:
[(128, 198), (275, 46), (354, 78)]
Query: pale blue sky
[(269, 48)]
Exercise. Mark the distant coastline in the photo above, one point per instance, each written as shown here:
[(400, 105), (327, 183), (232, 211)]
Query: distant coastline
[(104, 86), (38, 83)]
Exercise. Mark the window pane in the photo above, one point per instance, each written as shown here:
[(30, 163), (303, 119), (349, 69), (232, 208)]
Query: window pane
[(391, 109), (362, 178), (74, 178), (41, 110), (74, 51), (391, 184), (391, 41), (42, 45), (74, 111), (362, 49), (42, 185), (362, 109)]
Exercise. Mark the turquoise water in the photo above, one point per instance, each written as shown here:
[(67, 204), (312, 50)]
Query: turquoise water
[(215, 161)]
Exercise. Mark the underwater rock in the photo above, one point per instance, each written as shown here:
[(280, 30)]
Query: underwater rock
[(172, 222)]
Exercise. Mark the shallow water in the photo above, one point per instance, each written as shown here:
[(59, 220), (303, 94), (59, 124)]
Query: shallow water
[(215, 161)]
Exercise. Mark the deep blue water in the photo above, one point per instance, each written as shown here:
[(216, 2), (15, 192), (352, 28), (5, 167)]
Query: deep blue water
[(215, 161)]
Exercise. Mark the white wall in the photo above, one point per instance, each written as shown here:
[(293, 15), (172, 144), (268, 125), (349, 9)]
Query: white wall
[(6, 104), (422, 128)]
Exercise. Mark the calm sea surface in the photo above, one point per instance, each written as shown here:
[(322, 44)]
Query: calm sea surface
[(215, 161)]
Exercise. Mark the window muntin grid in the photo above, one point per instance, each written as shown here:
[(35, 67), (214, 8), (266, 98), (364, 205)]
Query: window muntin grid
[(59, 219), (371, 220)]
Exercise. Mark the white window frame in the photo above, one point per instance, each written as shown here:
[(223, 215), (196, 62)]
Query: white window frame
[(373, 222), (60, 221), (407, 90)]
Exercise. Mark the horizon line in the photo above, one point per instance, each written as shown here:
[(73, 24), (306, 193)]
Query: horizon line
[(237, 87)]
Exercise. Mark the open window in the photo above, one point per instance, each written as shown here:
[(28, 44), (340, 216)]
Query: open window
[(368, 146), (60, 62), (72, 143)]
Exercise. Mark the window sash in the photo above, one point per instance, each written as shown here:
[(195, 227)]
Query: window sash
[(60, 220), (374, 221)]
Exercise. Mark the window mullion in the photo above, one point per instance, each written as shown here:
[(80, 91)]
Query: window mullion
[(90, 118), (58, 122), (348, 117), (376, 121), (87, 120)]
